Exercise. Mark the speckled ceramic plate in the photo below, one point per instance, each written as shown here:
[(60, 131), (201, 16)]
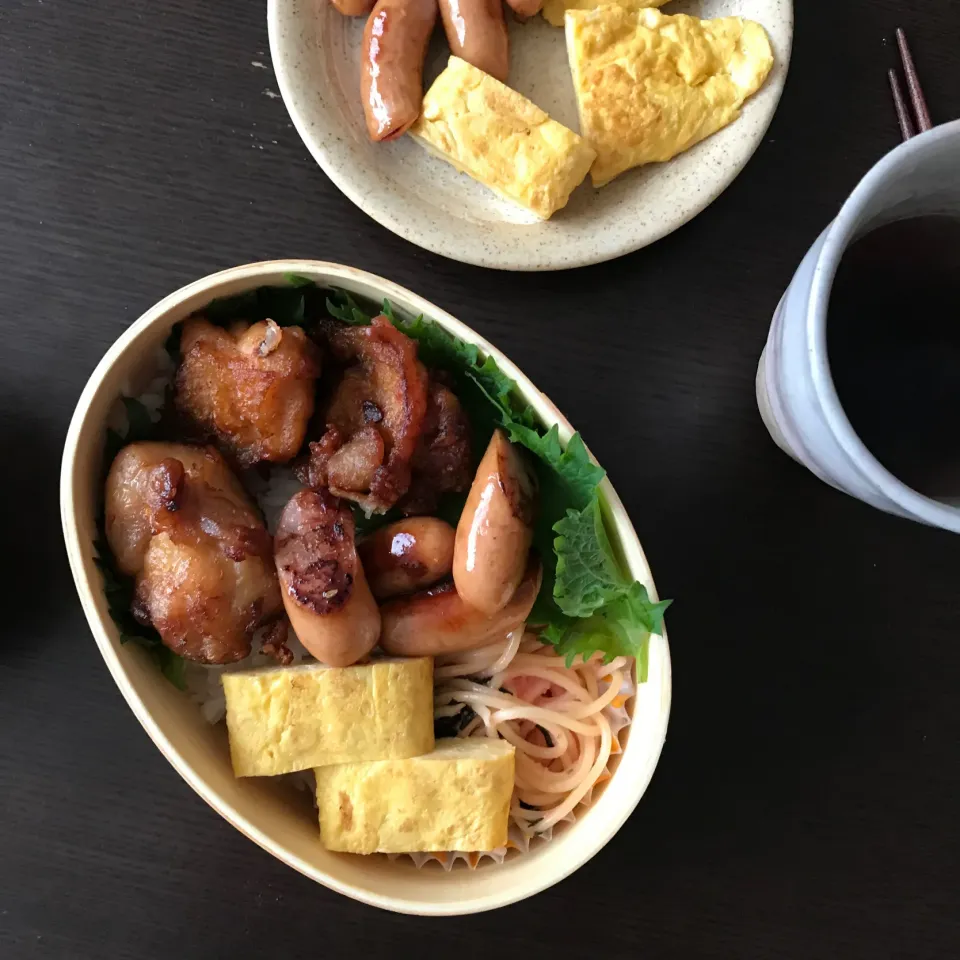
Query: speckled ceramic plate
[(316, 55)]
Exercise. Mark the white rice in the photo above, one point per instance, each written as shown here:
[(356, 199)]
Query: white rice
[(273, 493), (203, 682)]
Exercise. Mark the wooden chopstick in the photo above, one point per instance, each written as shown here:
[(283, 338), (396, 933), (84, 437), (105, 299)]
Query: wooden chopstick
[(903, 113), (917, 99)]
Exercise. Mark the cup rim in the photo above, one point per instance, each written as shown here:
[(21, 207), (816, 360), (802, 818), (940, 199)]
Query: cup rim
[(839, 238)]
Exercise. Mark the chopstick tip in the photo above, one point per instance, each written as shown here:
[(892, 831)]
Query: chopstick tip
[(917, 99)]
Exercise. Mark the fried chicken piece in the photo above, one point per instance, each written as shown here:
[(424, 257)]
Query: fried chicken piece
[(442, 461), (179, 520), (250, 388), (274, 643), (374, 419), (128, 509)]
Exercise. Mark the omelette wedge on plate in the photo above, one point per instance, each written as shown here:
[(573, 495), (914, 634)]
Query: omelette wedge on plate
[(650, 86), (553, 10), (498, 137)]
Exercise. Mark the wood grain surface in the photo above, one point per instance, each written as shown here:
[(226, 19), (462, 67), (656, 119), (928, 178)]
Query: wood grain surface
[(806, 802)]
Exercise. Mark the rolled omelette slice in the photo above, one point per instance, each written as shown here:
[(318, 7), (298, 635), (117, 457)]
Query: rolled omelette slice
[(455, 798), (650, 86), (498, 137), (553, 10), (284, 719)]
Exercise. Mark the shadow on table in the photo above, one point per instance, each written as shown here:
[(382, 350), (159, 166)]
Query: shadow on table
[(791, 644), (37, 586)]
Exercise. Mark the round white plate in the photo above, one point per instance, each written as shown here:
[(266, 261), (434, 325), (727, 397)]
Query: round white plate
[(316, 55)]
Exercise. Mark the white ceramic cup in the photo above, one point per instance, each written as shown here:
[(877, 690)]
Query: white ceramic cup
[(795, 390)]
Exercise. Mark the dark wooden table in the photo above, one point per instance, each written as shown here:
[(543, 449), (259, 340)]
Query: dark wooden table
[(806, 804)]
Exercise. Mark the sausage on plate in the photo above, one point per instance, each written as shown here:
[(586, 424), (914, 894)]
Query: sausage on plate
[(477, 33), (353, 8), (525, 9), (391, 73)]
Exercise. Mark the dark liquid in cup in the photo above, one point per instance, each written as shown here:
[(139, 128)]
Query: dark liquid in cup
[(893, 344)]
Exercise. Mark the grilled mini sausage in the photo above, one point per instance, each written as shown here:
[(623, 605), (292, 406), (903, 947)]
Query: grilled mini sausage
[(496, 528), (407, 556), (437, 621), (324, 590), (353, 8), (391, 71), (477, 33)]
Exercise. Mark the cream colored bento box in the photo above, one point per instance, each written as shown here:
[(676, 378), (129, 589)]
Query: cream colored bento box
[(274, 815)]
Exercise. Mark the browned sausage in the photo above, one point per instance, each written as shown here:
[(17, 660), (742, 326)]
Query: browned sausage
[(437, 621), (407, 556), (495, 529), (391, 72), (525, 9), (477, 33), (353, 8), (324, 590)]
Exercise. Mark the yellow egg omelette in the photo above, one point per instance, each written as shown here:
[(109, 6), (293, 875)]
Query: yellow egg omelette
[(650, 86), (553, 10), (497, 136)]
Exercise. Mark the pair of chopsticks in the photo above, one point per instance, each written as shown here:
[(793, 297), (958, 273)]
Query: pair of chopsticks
[(908, 125)]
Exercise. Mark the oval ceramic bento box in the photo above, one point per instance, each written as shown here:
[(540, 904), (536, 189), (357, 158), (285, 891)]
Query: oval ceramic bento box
[(273, 814)]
